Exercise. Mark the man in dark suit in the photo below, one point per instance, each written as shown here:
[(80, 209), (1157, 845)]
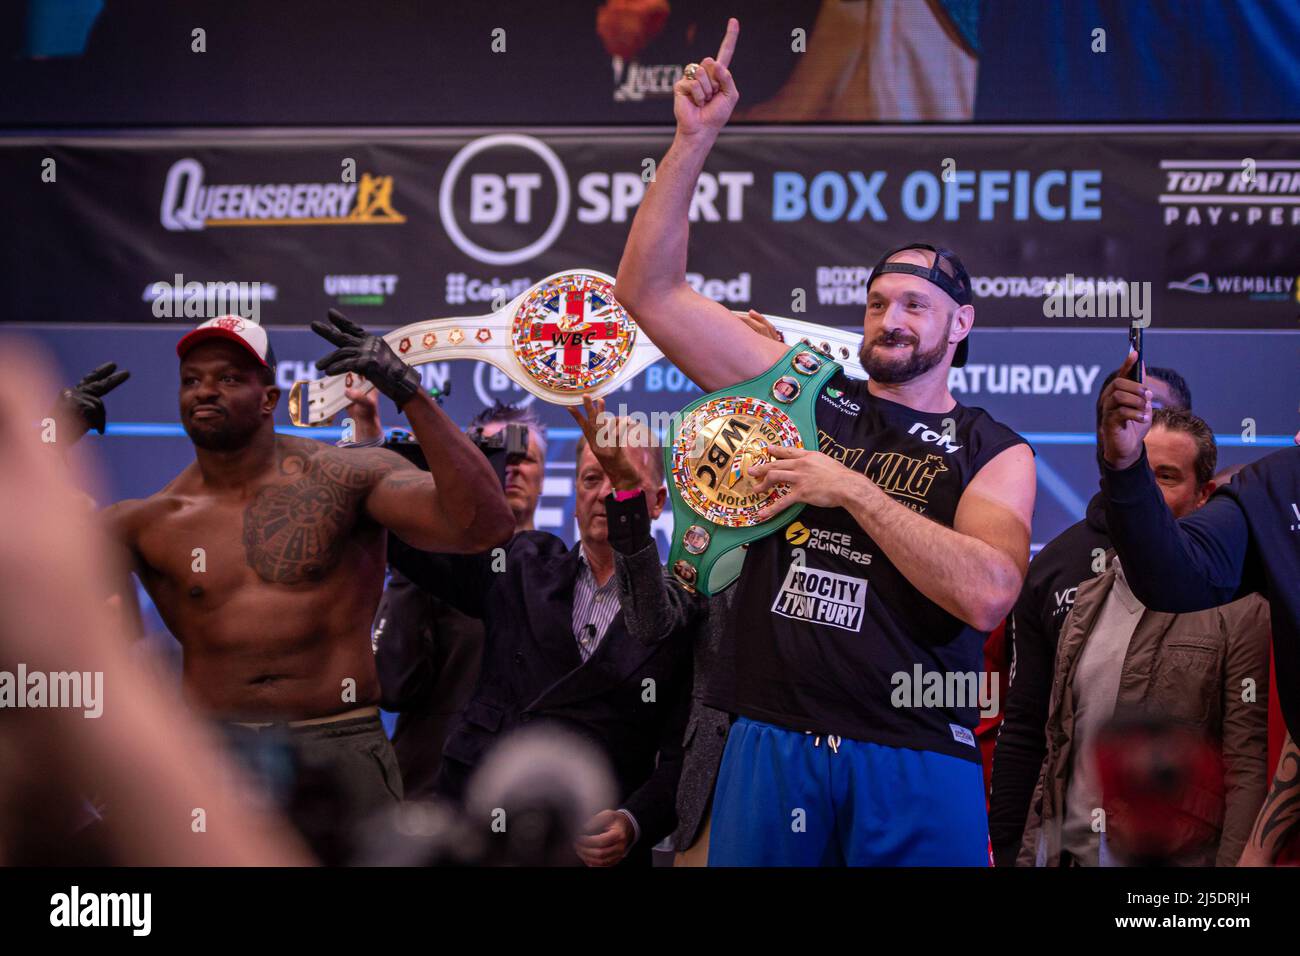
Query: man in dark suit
[(557, 652), (427, 653)]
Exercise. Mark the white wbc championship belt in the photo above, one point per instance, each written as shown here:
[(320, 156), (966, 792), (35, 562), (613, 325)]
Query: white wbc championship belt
[(561, 339)]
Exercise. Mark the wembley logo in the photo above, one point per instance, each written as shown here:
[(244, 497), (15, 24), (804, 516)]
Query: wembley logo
[(1198, 283), (1259, 288)]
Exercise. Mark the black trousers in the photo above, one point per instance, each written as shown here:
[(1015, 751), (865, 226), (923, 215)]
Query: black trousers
[(329, 779)]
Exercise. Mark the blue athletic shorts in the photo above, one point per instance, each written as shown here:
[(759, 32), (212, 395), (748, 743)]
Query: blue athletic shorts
[(786, 798)]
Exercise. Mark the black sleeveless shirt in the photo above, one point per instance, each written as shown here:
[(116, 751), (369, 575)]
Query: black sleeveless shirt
[(823, 622)]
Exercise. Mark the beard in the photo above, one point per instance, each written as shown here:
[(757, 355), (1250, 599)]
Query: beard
[(219, 434), (892, 371)]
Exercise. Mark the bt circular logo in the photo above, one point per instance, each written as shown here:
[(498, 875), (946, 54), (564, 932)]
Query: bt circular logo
[(494, 196)]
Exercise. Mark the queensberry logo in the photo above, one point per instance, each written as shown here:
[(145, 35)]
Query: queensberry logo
[(986, 195), (190, 203)]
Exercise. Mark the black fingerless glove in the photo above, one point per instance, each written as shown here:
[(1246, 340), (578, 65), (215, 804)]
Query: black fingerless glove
[(84, 402), (367, 355)]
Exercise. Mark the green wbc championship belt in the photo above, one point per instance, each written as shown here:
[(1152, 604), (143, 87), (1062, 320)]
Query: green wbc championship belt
[(708, 455)]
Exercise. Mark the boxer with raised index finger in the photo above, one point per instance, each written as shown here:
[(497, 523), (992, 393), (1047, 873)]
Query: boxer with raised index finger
[(913, 545)]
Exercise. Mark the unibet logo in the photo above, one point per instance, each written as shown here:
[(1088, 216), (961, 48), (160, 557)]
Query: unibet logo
[(797, 534)]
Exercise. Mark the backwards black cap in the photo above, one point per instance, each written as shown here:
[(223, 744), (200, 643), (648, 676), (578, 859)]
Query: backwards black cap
[(947, 273)]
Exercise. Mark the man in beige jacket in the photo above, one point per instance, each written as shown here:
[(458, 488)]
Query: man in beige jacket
[(1206, 670)]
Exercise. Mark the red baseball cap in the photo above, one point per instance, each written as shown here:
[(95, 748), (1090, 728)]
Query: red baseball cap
[(233, 328)]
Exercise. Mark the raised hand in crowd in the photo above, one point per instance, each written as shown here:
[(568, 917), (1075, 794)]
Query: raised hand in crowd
[(609, 438), (81, 407)]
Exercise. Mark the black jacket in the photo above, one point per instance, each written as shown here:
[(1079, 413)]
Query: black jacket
[(532, 671), (657, 609), (427, 656), (1034, 628), (1245, 539)]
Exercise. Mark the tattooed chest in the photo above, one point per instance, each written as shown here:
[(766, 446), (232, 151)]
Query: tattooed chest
[(297, 531)]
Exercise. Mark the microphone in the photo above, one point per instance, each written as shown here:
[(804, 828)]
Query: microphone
[(539, 786)]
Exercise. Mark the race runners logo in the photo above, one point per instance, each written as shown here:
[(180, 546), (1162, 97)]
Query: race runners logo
[(839, 543), (188, 204)]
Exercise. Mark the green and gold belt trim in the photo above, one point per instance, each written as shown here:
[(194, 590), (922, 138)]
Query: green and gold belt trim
[(710, 449)]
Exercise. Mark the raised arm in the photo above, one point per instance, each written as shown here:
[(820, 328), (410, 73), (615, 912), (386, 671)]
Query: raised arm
[(118, 521), (654, 608), (701, 337), (458, 506), (1173, 566)]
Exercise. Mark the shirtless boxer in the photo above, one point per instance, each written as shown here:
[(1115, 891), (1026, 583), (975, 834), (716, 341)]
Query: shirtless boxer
[(265, 556)]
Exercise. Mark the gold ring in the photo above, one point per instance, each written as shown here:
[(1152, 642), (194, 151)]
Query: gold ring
[(691, 70)]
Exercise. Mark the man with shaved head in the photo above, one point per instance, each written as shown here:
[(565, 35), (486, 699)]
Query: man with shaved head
[(859, 627)]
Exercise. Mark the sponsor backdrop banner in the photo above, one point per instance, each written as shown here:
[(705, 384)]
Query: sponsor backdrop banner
[(117, 244), (1190, 231)]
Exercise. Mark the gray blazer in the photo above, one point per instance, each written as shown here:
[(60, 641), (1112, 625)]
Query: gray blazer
[(656, 609)]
